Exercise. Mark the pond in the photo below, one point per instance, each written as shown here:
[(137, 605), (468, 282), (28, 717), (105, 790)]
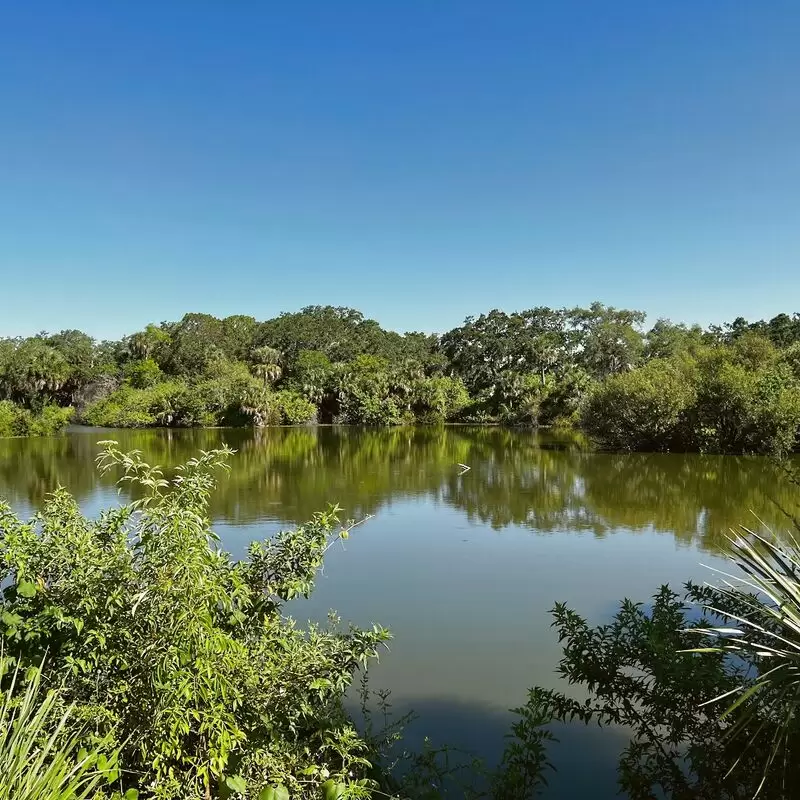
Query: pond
[(462, 565)]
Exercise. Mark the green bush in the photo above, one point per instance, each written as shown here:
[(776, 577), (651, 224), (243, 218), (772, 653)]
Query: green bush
[(741, 410), (520, 399), (641, 673), (364, 407), (50, 420), (643, 409), (367, 395), (295, 409), (217, 398), (8, 418), (562, 405), (748, 399), (17, 421), (438, 398), (791, 357), (142, 374), (715, 402), (167, 403), (226, 395), (176, 653), (310, 373)]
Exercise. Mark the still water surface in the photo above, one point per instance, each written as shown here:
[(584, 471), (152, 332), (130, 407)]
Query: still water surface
[(462, 567)]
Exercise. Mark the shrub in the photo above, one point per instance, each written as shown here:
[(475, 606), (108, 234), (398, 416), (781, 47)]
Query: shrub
[(178, 653), (562, 404), (51, 419), (8, 418), (439, 398), (17, 421), (757, 621), (791, 357), (310, 373), (218, 397), (522, 399), (642, 409), (741, 410), (366, 395), (295, 409), (167, 403), (260, 406), (712, 403), (227, 395), (142, 374), (365, 407)]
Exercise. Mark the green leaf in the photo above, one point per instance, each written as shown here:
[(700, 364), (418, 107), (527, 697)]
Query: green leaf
[(9, 618), (236, 783), (131, 794), (743, 697), (279, 792), (333, 790), (26, 589)]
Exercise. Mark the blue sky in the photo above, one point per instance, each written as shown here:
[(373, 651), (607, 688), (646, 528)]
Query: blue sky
[(418, 160)]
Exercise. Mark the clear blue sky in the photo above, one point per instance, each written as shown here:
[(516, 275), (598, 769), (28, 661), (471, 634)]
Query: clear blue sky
[(417, 160)]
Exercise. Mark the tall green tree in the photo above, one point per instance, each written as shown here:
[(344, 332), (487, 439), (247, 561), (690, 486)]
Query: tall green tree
[(666, 339), (149, 343), (607, 340), (194, 343), (35, 372)]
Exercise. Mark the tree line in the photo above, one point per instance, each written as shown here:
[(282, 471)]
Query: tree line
[(729, 388), (515, 480)]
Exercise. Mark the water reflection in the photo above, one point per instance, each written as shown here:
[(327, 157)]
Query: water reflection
[(516, 478)]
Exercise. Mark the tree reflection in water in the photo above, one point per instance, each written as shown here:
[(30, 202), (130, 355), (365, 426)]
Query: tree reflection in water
[(538, 481)]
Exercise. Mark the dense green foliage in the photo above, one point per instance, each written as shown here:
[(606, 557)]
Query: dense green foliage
[(729, 389), (178, 655), (18, 421), (765, 632), (741, 398)]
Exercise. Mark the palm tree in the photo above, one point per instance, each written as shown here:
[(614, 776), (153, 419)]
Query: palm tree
[(261, 404), (143, 343), (36, 368), (761, 626), (267, 364)]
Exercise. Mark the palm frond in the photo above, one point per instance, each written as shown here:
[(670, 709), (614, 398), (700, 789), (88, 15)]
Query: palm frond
[(40, 755), (766, 634)]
